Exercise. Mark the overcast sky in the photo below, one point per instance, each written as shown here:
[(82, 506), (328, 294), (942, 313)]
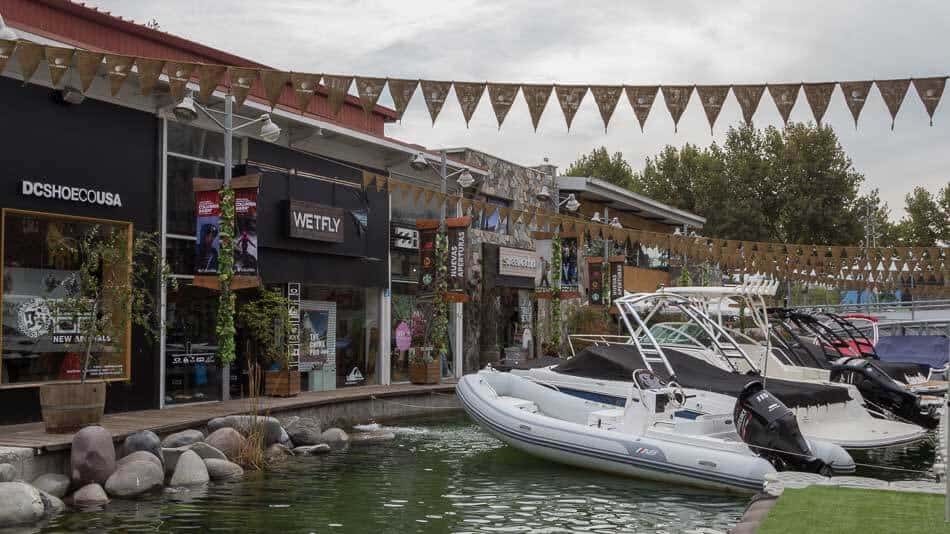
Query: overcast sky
[(634, 42)]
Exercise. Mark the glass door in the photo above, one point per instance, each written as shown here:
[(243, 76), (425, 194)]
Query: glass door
[(318, 344)]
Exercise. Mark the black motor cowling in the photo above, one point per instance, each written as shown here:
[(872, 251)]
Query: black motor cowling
[(881, 391), (771, 431)]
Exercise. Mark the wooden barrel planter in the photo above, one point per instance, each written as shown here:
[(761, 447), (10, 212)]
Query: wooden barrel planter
[(283, 383), (71, 406), (425, 373)]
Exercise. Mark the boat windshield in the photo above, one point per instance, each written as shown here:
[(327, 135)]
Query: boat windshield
[(688, 334)]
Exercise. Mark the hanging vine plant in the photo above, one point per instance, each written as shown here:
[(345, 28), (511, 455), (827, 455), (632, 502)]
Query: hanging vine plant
[(556, 318), (225, 324), (439, 328)]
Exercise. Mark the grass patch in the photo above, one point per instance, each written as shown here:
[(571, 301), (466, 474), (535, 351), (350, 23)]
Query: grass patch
[(818, 509)]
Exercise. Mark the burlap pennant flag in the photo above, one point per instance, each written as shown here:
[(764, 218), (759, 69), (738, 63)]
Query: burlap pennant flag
[(401, 92), (7, 46), (58, 60), (641, 99), (570, 98), (818, 96), (855, 95), (179, 74), (274, 82), (28, 55), (369, 89), (240, 82), (435, 94), (209, 78), (381, 183), (930, 90), (305, 86), (118, 69), (749, 97), (502, 96), (469, 94), (893, 92), (606, 97), (676, 97), (337, 89), (712, 98), (87, 64), (537, 98), (149, 71), (368, 178), (784, 96)]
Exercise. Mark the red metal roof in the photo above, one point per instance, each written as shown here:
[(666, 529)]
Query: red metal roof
[(86, 27)]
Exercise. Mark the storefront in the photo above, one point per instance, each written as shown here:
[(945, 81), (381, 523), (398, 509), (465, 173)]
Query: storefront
[(508, 303), (72, 170)]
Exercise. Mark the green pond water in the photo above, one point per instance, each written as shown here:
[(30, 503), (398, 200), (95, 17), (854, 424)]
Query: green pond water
[(439, 475)]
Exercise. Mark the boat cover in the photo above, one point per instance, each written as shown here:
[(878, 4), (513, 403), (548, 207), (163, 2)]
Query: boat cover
[(618, 362), (932, 351)]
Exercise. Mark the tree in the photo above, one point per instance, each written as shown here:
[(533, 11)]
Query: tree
[(924, 223), (601, 165), (885, 232), (944, 201)]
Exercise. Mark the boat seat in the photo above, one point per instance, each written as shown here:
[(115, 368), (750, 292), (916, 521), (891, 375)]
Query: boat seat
[(521, 404), (609, 419)]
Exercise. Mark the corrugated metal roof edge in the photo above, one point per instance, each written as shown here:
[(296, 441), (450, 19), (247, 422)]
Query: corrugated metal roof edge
[(659, 207)]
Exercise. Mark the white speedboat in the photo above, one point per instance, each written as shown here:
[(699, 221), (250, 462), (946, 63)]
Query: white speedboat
[(648, 438), (712, 376)]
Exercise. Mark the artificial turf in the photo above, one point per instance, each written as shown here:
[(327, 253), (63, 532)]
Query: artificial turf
[(820, 509)]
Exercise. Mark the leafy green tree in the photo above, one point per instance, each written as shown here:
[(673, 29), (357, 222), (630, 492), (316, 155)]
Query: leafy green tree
[(945, 214), (924, 222), (600, 164), (870, 204)]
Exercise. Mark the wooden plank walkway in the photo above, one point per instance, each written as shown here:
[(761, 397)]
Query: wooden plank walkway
[(33, 435)]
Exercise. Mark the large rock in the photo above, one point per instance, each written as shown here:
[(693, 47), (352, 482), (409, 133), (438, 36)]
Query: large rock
[(227, 440), (135, 478), (312, 450), (223, 469), (90, 495), (277, 453), (373, 436), (183, 438), (335, 437), (143, 440), (92, 458), (52, 483), (7, 473), (139, 456), (303, 430), (21, 503), (206, 451), (245, 423), (190, 470), (200, 448)]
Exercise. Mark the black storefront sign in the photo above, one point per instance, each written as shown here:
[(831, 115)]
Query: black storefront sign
[(616, 278), (457, 248), (595, 277), (316, 221)]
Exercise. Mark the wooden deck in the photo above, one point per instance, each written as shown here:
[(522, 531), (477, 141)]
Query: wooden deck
[(33, 435)]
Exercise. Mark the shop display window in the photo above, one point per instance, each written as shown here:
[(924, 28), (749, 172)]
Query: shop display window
[(192, 366), (41, 341)]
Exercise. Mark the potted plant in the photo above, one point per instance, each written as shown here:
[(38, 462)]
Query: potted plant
[(425, 365), (263, 319), (103, 299)]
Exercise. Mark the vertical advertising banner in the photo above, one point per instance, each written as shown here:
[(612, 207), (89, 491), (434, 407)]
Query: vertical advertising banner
[(427, 233), (208, 231), (595, 274), (457, 233), (293, 327), (616, 277), (245, 232), (208, 244)]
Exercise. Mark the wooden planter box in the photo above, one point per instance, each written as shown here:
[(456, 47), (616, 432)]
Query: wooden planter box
[(425, 373), (69, 407), (283, 383)]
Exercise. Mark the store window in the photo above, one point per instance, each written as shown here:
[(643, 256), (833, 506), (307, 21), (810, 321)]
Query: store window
[(41, 341), (495, 222), (356, 331), (192, 367)]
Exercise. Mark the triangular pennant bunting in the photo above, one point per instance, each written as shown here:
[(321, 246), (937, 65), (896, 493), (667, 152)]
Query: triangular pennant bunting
[(274, 82), (118, 69), (369, 89), (28, 55), (749, 97), (337, 89), (7, 46), (469, 94), (179, 74), (502, 96), (59, 60), (537, 98), (641, 98), (712, 98), (855, 95), (305, 86), (240, 82), (570, 98), (784, 97), (401, 92), (435, 94), (818, 96), (149, 71), (209, 77), (606, 97), (676, 97), (87, 63), (893, 92), (930, 90)]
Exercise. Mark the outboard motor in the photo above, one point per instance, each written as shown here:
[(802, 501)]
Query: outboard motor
[(881, 391), (771, 431)]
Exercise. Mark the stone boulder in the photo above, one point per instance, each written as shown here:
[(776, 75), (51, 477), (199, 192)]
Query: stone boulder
[(244, 424), (143, 440), (135, 478), (137, 456), (183, 438), (7, 473), (312, 450), (373, 436), (21, 504), (303, 430), (335, 438), (92, 458), (190, 470), (223, 469), (277, 453), (206, 451), (90, 495), (52, 483), (227, 440)]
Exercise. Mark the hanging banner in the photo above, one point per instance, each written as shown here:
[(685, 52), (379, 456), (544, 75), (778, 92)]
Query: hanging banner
[(712, 97), (457, 233), (502, 96), (676, 97), (58, 60), (274, 82), (337, 89), (28, 55), (245, 235), (469, 95), (641, 98), (87, 64), (427, 231), (616, 277), (606, 97), (118, 69), (893, 92), (305, 86), (209, 77), (818, 96), (930, 90), (401, 92), (537, 98), (179, 74), (595, 278), (7, 47), (570, 98), (240, 82), (149, 71), (435, 94), (855, 95), (208, 244), (749, 97), (369, 90), (784, 97), (208, 230)]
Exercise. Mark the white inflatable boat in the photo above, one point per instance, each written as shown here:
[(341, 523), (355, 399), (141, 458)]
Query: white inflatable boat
[(647, 438)]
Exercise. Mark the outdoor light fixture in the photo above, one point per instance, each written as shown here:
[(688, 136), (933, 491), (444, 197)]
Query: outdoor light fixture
[(615, 222), (419, 162), (270, 132), (7, 32), (466, 179), (595, 218), (571, 203), (544, 194), (185, 110)]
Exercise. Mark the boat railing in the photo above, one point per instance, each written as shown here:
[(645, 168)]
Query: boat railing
[(596, 340)]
